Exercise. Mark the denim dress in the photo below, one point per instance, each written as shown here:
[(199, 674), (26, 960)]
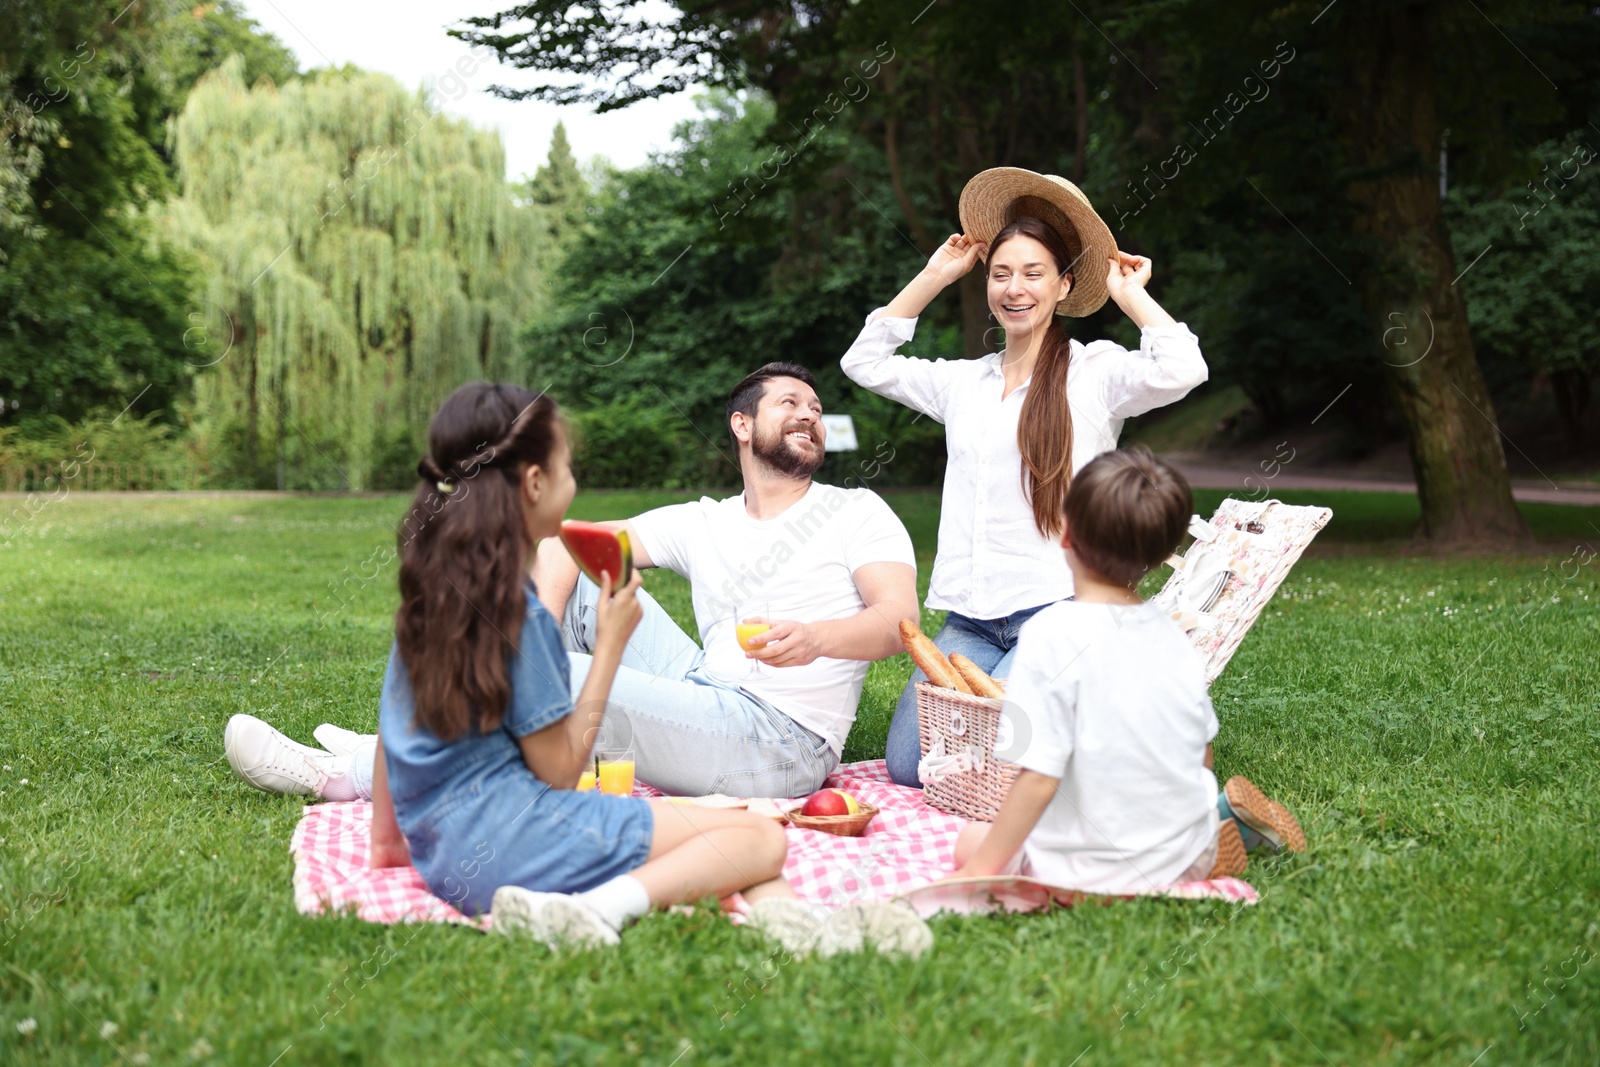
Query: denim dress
[(474, 815)]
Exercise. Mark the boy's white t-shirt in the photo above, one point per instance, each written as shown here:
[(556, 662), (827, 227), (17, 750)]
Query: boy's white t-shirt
[(1112, 700), (799, 565)]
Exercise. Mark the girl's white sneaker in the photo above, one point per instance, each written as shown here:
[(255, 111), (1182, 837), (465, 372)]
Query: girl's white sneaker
[(804, 929), (556, 919), (341, 742), (793, 924), (272, 762), (893, 929)]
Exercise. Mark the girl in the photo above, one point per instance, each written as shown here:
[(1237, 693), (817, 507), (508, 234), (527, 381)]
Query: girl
[(1018, 423), (480, 741)]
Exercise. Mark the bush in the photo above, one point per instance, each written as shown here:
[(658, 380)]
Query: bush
[(101, 450), (112, 439), (633, 445)]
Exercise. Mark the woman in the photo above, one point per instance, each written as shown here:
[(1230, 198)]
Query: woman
[(1020, 422)]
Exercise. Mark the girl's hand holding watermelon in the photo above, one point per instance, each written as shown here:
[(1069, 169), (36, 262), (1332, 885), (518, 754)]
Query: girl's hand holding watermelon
[(617, 614)]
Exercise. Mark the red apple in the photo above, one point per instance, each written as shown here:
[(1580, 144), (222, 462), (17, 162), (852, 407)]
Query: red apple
[(830, 802)]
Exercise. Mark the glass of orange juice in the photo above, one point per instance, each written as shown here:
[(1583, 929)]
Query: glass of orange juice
[(616, 773), (745, 629), (586, 782)]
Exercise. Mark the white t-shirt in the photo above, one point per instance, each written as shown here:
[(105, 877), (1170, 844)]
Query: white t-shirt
[(1112, 700), (800, 565), (992, 560)]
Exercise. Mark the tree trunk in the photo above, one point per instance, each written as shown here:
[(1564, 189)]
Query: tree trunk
[(976, 340), (891, 149), (281, 403), (974, 303), (1391, 121), (252, 418)]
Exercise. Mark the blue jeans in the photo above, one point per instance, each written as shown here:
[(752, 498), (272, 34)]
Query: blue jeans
[(691, 734), (990, 643)]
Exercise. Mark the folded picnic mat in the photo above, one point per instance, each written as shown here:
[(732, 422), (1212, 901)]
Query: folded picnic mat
[(1237, 561), (907, 846)]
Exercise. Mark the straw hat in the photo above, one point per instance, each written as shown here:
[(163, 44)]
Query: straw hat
[(998, 196)]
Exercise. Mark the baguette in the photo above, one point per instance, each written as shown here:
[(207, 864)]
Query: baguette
[(981, 684), (926, 655)]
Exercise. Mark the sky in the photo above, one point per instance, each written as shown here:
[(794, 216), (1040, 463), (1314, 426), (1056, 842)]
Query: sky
[(406, 38)]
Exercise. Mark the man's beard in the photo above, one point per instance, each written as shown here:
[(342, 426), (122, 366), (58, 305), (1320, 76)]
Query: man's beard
[(785, 456)]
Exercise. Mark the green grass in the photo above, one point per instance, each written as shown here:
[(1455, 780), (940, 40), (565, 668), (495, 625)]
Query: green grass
[(1435, 723)]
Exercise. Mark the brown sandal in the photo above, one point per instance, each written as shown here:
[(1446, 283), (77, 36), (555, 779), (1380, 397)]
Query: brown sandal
[(1264, 815)]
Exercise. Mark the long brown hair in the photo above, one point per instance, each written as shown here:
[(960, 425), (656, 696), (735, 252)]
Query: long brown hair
[(1044, 429), (464, 549)]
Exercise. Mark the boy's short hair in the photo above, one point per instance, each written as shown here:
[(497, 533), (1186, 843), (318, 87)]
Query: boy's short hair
[(1126, 512)]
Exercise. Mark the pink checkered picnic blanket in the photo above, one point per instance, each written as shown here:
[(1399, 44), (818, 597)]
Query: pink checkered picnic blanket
[(907, 846)]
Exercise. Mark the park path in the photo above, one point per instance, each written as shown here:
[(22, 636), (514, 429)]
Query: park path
[(1214, 476)]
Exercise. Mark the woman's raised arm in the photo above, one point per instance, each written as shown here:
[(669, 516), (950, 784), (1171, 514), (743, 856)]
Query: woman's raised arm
[(1126, 278), (872, 361), (949, 263)]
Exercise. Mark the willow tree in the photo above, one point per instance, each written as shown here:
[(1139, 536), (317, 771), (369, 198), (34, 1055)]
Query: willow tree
[(363, 257)]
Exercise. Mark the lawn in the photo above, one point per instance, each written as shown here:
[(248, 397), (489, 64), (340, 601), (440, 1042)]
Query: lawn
[(1435, 723)]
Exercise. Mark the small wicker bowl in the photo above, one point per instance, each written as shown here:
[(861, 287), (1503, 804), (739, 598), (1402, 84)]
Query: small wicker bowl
[(838, 825)]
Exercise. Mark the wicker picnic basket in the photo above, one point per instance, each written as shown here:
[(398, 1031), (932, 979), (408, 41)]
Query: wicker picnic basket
[(956, 724), (1216, 592)]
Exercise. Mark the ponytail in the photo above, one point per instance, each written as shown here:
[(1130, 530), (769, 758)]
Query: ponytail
[(1044, 432)]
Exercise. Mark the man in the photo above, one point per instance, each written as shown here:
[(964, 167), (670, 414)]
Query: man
[(830, 570)]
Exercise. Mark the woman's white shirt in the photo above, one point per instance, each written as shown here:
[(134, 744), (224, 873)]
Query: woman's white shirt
[(992, 560)]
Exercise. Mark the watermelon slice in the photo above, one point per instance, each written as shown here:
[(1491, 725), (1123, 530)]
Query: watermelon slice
[(596, 548)]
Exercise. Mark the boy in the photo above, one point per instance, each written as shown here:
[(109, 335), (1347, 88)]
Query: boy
[(1107, 700)]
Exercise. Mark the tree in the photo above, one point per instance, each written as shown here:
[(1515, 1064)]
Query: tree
[(937, 98), (1374, 88), (199, 38), (1533, 308), (92, 309), (655, 280), (93, 322), (1390, 118), (558, 192), (363, 257), (677, 291), (1352, 168)]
